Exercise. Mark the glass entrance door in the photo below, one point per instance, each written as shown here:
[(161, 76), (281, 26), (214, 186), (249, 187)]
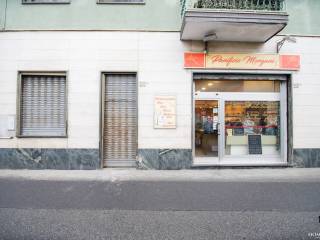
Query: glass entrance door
[(207, 131)]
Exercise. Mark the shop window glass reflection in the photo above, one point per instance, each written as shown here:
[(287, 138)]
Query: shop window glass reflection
[(244, 118)]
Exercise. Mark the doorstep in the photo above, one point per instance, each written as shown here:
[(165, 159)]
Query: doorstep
[(239, 162), (242, 164)]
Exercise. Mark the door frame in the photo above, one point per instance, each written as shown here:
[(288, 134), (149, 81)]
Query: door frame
[(203, 161), (286, 119), (101, 111)]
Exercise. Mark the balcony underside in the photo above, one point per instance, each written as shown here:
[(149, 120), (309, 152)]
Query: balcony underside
[(234, 26)]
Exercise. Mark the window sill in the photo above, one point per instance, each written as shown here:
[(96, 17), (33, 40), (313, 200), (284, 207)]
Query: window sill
[(20, 136), (47, 2), (120, 2)]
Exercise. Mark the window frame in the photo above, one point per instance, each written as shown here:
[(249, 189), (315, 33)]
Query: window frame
[(46, 2), (121, 2), (19, 98)]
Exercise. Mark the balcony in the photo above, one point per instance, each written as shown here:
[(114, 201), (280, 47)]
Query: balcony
[(232, 20)]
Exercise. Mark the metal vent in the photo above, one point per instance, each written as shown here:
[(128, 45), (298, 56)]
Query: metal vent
[(120, 120), (43, 106)]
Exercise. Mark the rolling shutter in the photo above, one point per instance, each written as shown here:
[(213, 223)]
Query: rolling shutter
[(120, 120), (43, 106)]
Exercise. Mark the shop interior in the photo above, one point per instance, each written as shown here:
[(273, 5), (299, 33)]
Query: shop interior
[(249, 126), (206, 128)]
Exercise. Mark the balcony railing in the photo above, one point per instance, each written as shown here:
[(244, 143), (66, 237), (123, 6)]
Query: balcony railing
[(246, 5)]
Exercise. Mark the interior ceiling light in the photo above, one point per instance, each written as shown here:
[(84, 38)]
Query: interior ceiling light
[(210, 84), (203, 88)]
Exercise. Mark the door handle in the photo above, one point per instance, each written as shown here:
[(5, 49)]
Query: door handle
[(218, 128)]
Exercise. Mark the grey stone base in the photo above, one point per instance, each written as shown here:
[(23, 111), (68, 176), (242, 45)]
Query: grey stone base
[(306, 158), (64, 159), (88, 159), (164, 159)]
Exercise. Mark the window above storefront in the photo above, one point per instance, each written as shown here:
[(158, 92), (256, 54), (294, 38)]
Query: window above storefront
[(237, 86)]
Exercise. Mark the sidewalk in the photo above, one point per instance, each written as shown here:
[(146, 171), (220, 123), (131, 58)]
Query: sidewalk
[(293, 190), (210, 175)]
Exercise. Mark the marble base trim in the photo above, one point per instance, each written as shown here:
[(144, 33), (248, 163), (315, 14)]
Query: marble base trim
[(164, 159), (36, 158), (306, 158), (88, 159)]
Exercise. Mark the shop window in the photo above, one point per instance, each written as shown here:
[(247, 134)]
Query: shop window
[(252, 118), (42, 105), (122, 1), (44, 1)]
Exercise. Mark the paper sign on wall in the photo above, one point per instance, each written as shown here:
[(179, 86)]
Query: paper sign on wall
[(165, 112)]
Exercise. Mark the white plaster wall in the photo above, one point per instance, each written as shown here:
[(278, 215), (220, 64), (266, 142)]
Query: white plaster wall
[(156, 57), (306, 94), (158, 60)]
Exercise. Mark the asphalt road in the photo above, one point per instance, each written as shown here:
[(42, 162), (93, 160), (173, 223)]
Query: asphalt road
[(35, 209), (31, 224), (160, 196)]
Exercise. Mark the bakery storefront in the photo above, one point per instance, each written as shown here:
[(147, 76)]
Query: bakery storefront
[(241, 112)]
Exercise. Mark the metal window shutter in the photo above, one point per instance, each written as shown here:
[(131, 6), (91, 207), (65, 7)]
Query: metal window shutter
[(43, 106), (120, 120)]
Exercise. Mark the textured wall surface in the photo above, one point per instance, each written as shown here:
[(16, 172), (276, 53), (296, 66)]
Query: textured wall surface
[(303, 17), (155, 15), (309, 158), (88, 159), (77, 159), (164, 159)]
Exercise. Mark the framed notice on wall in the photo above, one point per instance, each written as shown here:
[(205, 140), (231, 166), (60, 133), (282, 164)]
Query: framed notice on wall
[(165, 112)]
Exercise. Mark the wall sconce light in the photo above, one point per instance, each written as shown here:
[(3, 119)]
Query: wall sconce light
[(286, 38)]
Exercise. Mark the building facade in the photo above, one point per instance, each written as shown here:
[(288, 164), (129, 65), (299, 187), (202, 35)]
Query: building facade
[(169, 84)]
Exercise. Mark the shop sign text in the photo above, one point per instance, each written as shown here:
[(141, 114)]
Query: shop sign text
[(242, 61)]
